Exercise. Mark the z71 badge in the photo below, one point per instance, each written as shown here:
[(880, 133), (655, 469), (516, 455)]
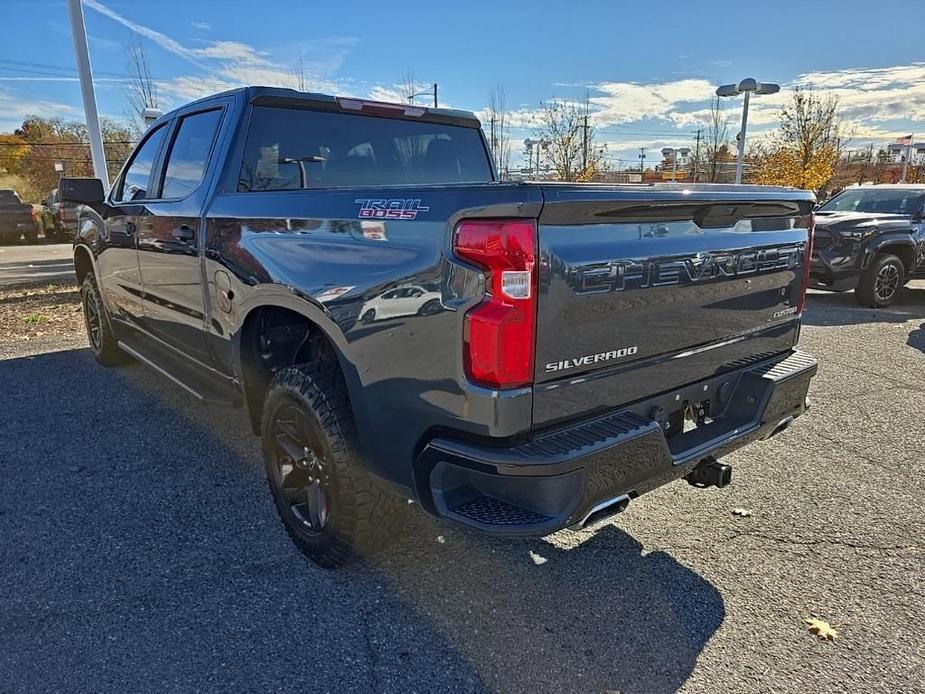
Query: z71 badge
[(393, 208)]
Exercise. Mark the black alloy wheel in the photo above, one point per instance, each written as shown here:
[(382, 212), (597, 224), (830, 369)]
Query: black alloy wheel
[(301, 472), (881, 281), (887, 283)]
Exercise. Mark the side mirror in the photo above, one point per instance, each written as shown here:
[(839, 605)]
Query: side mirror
[(82, 191)]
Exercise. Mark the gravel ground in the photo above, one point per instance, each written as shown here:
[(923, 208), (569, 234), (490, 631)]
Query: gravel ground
[(139, 550)]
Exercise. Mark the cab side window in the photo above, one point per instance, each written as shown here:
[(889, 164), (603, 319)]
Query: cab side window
[(135, 182), (189, 154)]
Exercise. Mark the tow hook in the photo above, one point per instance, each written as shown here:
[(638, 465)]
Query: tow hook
[(710, 473)]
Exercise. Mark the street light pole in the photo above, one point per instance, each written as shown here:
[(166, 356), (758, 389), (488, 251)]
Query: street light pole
[(82, 54), (740, 158), (746, 87)]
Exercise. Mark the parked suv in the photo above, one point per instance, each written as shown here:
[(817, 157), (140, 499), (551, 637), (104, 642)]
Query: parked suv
[(870, 239), (555, 350)]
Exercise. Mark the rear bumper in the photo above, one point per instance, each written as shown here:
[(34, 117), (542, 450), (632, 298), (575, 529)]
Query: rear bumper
[(555, 479)]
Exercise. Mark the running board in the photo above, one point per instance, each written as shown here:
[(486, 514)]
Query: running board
[(184, 376)]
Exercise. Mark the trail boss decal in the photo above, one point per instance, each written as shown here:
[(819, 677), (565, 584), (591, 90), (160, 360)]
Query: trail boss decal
[(589, 359), (393, 208)]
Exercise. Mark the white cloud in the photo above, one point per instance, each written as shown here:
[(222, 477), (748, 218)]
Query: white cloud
[(392, 94), (228, 64), (232, 50), (14, 109), (204, 26), (625, 102)]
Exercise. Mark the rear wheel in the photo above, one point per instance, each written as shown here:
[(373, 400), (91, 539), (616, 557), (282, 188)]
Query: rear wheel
[(333, 509), (103, 343), (881, 281)]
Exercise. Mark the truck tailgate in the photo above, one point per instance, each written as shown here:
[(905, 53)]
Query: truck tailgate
[(643, 289)]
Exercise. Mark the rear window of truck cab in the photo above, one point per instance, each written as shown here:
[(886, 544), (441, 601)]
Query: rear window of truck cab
[(293, 149)]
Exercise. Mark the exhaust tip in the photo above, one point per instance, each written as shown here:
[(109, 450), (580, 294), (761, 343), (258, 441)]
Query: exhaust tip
[(602, 512)]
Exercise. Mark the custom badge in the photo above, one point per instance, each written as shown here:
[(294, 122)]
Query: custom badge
[(392, 208)]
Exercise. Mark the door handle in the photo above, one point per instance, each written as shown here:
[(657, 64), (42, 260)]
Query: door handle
[(184, 233)]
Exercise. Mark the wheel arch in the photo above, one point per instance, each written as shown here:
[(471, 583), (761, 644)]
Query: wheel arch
[(84, 263), (902, 248), (323, 339)]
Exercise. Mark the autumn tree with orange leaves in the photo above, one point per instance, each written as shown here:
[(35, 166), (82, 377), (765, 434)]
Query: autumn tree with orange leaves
[(804, 151)]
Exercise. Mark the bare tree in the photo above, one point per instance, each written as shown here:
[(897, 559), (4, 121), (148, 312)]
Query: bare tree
[(408, 87), (298, 74), (570, 130), (498, 137), (714, 148), (141, 89)]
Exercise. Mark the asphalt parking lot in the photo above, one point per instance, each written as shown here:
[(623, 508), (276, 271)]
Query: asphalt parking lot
[(139, 551), (48, 262)]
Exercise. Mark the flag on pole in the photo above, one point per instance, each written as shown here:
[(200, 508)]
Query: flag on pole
[(906, 141)]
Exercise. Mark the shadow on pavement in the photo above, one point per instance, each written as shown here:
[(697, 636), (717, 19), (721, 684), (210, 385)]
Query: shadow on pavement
[(841, 308), (917, 338), (139, 551)]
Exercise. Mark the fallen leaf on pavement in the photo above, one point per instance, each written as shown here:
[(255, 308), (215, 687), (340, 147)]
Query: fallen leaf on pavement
[(744, 512), (822, 629)]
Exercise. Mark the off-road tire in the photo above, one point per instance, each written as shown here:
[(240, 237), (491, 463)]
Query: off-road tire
[(871, 290), (362, 516), (103, 344)]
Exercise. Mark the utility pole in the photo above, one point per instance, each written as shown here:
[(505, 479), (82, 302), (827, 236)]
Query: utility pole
[(494, 143), (697, 157), (411, 96), (82, 54), (642, 164)]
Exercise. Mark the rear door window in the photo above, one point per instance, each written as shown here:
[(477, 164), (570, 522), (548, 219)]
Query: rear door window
[(135, 182), (189, 153), (292, 149)]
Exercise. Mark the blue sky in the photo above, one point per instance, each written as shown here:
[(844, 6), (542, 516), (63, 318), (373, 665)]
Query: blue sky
[(649, 67)]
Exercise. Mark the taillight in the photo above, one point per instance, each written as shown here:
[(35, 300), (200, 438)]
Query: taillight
[(499, 332), (808, 265)]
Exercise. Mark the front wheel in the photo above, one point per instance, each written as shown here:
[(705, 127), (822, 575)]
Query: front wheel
[(881, 281), (331, 506)]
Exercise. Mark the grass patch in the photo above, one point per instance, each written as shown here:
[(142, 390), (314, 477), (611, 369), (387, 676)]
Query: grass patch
[(35, 318)]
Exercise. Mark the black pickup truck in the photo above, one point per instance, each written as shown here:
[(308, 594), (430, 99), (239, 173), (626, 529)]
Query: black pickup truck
[(18, 219), (401, 325), (870, 239)]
